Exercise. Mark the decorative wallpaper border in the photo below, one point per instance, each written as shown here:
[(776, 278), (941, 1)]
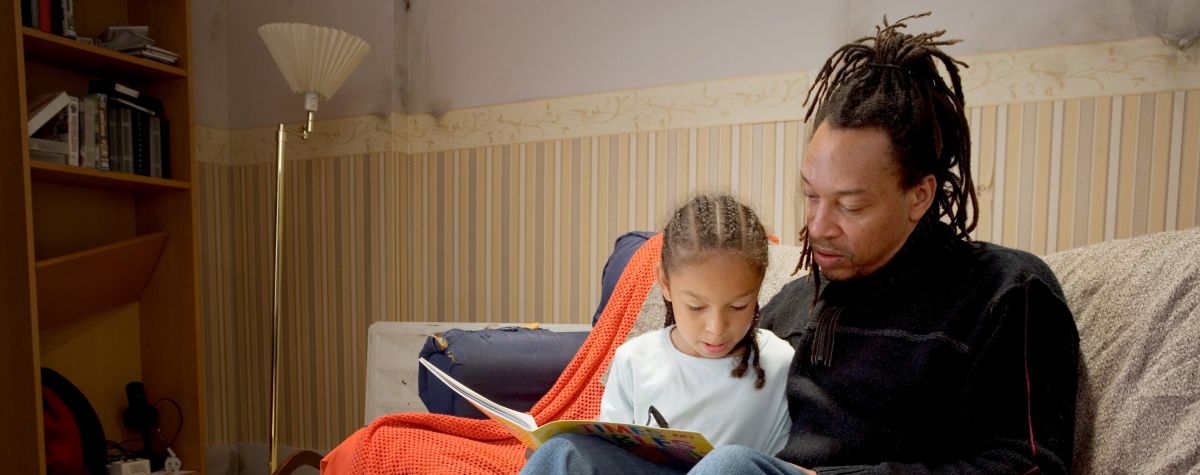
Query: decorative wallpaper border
[(330, 138), (1136, 66), (773, 98)]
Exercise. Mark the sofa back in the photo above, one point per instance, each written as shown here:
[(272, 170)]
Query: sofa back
[(1137, 306)]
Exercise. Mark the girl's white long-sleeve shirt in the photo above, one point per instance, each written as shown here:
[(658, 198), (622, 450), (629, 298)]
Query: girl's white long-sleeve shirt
[(699, 394)]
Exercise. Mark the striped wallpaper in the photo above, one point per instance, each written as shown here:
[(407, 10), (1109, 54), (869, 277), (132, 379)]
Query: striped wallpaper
[(519, 232), (1061, 174)]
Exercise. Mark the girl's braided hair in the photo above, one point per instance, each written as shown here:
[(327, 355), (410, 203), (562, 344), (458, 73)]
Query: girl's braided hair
[(718, 224)]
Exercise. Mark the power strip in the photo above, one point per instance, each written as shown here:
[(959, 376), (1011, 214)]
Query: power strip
[(130, 467)]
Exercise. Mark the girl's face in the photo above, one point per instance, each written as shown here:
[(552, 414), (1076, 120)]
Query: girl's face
[(713, 300)]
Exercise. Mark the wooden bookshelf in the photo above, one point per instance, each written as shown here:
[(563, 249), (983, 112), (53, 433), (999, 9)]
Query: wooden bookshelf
[(91, 281), (97, 268), (67, 53), (91, 178)]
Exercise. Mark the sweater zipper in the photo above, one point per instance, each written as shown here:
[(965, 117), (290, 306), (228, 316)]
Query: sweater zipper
[(822, 347)]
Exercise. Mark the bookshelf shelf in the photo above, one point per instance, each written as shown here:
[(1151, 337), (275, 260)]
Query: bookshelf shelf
[(66, 53), (94, 280), (87, 177)]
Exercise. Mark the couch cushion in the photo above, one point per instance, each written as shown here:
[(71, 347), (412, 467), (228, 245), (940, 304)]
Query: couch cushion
[(489, 361), (1136, 304), (623, 249)]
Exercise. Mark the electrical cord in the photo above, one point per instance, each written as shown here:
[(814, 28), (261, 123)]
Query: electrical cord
[(178, 428)]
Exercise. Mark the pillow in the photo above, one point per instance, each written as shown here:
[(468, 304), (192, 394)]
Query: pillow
[(74, 437), (623, 250), (490, 361), (1137, 306)]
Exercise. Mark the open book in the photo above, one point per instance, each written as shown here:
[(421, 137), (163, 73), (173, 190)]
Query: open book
[(667, 446)]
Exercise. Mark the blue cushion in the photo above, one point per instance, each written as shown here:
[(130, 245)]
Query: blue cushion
[(623, 250), (512, 366)]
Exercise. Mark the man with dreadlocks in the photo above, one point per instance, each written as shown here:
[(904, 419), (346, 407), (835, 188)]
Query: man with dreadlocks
[(917, 350)]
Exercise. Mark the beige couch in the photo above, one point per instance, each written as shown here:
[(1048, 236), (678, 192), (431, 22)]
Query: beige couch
[(1137, 305)]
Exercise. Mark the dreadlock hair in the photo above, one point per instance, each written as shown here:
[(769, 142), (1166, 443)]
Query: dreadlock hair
[(709, 225), (891, 82)]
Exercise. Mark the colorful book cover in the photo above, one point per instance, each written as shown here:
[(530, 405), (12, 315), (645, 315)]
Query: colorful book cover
[(665, 446)]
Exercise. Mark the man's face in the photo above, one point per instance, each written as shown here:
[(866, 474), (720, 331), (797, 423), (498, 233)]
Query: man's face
[(858, 214)]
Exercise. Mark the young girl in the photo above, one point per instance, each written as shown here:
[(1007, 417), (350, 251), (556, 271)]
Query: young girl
[(710, 369)]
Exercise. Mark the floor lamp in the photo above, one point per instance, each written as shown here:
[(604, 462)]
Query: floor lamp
[(314, 60)]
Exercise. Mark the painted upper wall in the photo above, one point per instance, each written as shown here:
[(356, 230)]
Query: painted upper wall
[(237, 84), (430, 56), (469, 53)]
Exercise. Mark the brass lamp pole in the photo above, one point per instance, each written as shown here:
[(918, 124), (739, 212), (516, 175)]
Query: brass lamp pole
[(314, 60)]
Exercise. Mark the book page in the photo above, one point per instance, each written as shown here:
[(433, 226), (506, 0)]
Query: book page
[(503, 415)]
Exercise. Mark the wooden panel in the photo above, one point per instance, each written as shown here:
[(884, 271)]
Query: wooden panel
[(67, 53), (171, 354), (95, 280), (93, 17), (87, 177), (69, 219), (99, 355), (20, 395)]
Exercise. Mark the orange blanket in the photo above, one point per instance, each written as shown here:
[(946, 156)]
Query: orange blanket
[(434, 443)]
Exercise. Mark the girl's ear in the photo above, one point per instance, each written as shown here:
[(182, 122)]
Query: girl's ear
[(662, 282)]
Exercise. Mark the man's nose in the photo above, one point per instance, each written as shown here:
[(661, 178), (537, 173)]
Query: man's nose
[(821, 222)]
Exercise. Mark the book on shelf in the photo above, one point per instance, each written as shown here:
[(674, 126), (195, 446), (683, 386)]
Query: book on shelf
[(73, 131), (160, 165), (43, 10), (45, 107), (93, 148), (62, 18), (120, 94), (136, 40), (29, 14), (680, 448), (63, 127), (155, 56), (48, 150), (126, 131), (49, 146)]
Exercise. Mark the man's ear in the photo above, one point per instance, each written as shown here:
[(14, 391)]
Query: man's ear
[(921, 197), (662, 282)]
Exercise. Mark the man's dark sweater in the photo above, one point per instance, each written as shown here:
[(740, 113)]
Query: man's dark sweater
[(954, 357)]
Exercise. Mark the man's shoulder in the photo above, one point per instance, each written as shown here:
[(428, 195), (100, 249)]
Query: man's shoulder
[(1006, 265)]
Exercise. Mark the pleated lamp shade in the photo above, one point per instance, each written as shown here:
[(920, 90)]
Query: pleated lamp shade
[(313, 58)]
